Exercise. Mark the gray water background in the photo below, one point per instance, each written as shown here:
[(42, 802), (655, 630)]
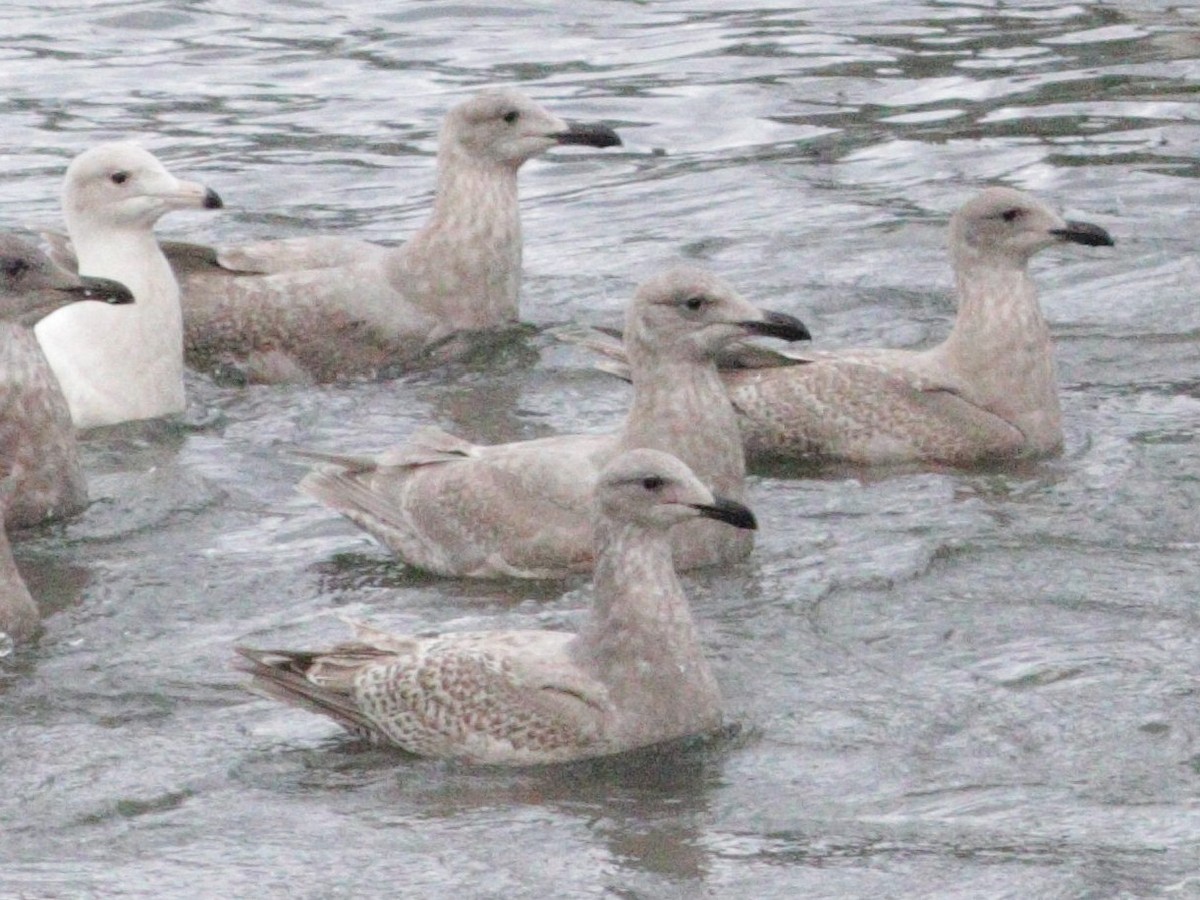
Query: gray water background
[(947, 683)]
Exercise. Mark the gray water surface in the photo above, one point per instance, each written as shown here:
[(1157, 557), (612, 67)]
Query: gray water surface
[(945, 683)]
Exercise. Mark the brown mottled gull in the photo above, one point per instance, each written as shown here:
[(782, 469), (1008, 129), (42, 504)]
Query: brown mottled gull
[(634, 675), (521, 509), (37, 439), (988, 391), (116, 364), (328, 307), (19, 617)]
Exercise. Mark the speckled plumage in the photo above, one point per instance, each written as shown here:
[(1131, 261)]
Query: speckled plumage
[(19, 617), (327, 307), (522, 509), (112, 196), (38, 450), (988, 391), (635, 675)]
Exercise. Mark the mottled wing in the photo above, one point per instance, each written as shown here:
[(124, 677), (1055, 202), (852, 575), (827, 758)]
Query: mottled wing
[(502, 697), (861, 412), (520, 510), (294, 254)]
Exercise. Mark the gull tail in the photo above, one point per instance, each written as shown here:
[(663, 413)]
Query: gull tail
[(283, 675)]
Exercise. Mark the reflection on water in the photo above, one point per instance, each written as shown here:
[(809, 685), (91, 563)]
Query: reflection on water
[(977, 683)]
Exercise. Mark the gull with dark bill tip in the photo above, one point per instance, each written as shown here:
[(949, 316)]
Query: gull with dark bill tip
[(521, 509), (38, 450), (119, 364), (325, 307), (988, 392), (635, 675)]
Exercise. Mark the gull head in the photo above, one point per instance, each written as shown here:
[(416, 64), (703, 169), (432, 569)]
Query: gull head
[(32, 287), (123, 186), (656, 490), (1007, 225), (686, 312), (506, 128)]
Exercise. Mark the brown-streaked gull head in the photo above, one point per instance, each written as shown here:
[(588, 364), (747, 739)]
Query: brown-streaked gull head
[(31, 286), (691, 313), (504, 127), (1004, 223), (657, 490)]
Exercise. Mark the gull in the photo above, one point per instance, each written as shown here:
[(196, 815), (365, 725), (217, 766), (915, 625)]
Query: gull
[(117, 364), (521, 509), (634, 675), (988, 392), (38, 449), (19, 617), (320, 308)]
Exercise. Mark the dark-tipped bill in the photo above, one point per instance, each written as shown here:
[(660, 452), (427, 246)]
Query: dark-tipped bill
[(105, 290), (588, 135), (728, 511), (779, 325), (1084, 233), (212, 200)]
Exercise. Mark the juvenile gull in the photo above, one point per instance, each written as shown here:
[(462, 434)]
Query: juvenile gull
[(18, 613), (522, 509), (988, 391), (120, 364), (327, 307), (635, 675), (37, 439)]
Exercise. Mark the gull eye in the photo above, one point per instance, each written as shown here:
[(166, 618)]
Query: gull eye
[(1011, 215), (511, 116), (15, 267), (119, 177), (694, 302), (652, 482)]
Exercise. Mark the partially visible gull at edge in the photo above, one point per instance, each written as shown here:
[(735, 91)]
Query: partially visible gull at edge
[(40, 475), (522, 509), (19, 616), (112, 197), (320, 308), (38, 449), (635, 675)]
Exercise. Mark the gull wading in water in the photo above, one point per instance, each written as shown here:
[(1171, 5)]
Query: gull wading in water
[(635, 674), (117, 364), (988, 392), (38, 450), (319, 308), (522, 509)]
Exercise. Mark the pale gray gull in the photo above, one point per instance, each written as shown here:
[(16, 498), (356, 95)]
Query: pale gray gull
[(988, 392), (522, 509), (38, 449), (328, 307), (117, 364), (634, 675)]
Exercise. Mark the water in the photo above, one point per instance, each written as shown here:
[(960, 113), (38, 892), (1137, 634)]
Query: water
[(952, 684)]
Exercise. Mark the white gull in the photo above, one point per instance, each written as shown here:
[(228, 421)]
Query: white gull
[(522, 509), (38, 450), (635, 674), (327, 307), (117, 364)]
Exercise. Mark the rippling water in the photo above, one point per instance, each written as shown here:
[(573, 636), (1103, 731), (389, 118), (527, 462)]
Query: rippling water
[(953, 684)]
